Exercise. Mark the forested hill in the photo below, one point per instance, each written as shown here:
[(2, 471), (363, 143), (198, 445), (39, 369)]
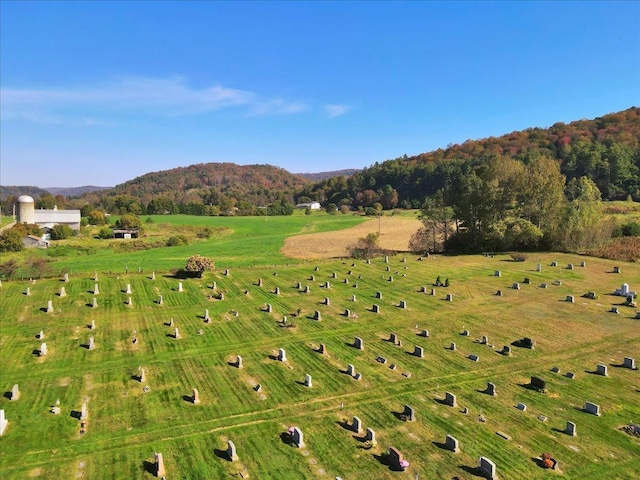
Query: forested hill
[(206, 182), (605, 149)]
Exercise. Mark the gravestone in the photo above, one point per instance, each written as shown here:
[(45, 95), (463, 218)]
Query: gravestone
[(195, 397), (221, 296), (629, 363), (570, 266), (40, 336), (128, 290), (424, 333), (277, 291), (484, 340), (322, 349), (207, 318), (473, 357), (614, 310), (516, 286), (15, 393), (491, 389), (381, 360), (554, 264), (327, 284), (141, 375), (153, 275), (616, 269), (393, 338), (259, 282), (601, 369), (96, 290), (451, 443), (345, 281), (570, 429), (308, 381), (297, 437), (433, 292), (403, 304), (583, 264), (84, 411), (386, 259), (358, 343), (450, 399), (49, 305), (176, 333), (378, 294), (526, 281), (356, 426), (347, 312), (543, 285), (226, 272), (159, 464), (465, 333), (93, 325), (43, 350), (449, 297), (160, 300), (282, 355), (238, 361), (418, 352), (231, 451), (487, 468), (409, 413), (269, 308), (506, 350), (570, 375), (65, 278), (390, 278), (326, 301), (129, 301), (497, 273), (592, 408), (214, 286), (298, 285), (522, 407), (3, 423), (180, 289), (423, 289), (351, 370), (358, 376), (570, 299), (538, 384), (171, 322), (63, 292), (92, 345), (499, 293), (396, 458), (370, 435), (306, 289), (317, 315), (375, 308), (452, 347), (637, 315), (539, 268)]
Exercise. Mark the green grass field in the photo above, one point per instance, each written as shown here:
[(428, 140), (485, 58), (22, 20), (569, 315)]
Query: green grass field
[(126, 425)]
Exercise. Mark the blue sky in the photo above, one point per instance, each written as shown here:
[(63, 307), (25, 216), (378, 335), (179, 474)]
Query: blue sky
[(101, 92)]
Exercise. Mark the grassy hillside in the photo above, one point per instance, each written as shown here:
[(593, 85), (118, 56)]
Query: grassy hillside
[(127, 425)]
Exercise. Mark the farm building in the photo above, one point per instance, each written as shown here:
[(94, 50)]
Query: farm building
[(45, 219), (311, 205)]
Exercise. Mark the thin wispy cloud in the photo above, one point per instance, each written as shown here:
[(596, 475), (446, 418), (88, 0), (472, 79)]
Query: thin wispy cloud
[(333, 111), (141, 95)]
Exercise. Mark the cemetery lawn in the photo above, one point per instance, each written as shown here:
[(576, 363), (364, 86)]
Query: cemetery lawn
[(127, 424)]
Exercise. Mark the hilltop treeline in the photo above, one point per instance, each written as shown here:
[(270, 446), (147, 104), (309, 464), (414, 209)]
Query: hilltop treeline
[(606, 150)]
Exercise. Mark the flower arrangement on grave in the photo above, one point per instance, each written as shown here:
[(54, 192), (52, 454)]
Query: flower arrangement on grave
[(404, 464)]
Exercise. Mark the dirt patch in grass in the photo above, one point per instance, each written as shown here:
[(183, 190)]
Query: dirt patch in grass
[(395, 233)]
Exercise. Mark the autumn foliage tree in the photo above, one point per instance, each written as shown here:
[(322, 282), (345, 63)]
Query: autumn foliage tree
[(197, 265)]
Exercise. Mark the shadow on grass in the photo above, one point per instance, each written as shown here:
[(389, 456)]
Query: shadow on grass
[(383, 459), (442, 446), (222, 454), (149, 467), (286, 438), (475, 471)]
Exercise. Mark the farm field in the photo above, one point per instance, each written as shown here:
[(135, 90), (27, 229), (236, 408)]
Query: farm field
[(129, 420)]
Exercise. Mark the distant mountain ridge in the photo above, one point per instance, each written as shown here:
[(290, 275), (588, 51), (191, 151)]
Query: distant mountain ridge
[(74, 191), (316, 177)]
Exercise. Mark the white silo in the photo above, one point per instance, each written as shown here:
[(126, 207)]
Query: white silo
[(26, 209)]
